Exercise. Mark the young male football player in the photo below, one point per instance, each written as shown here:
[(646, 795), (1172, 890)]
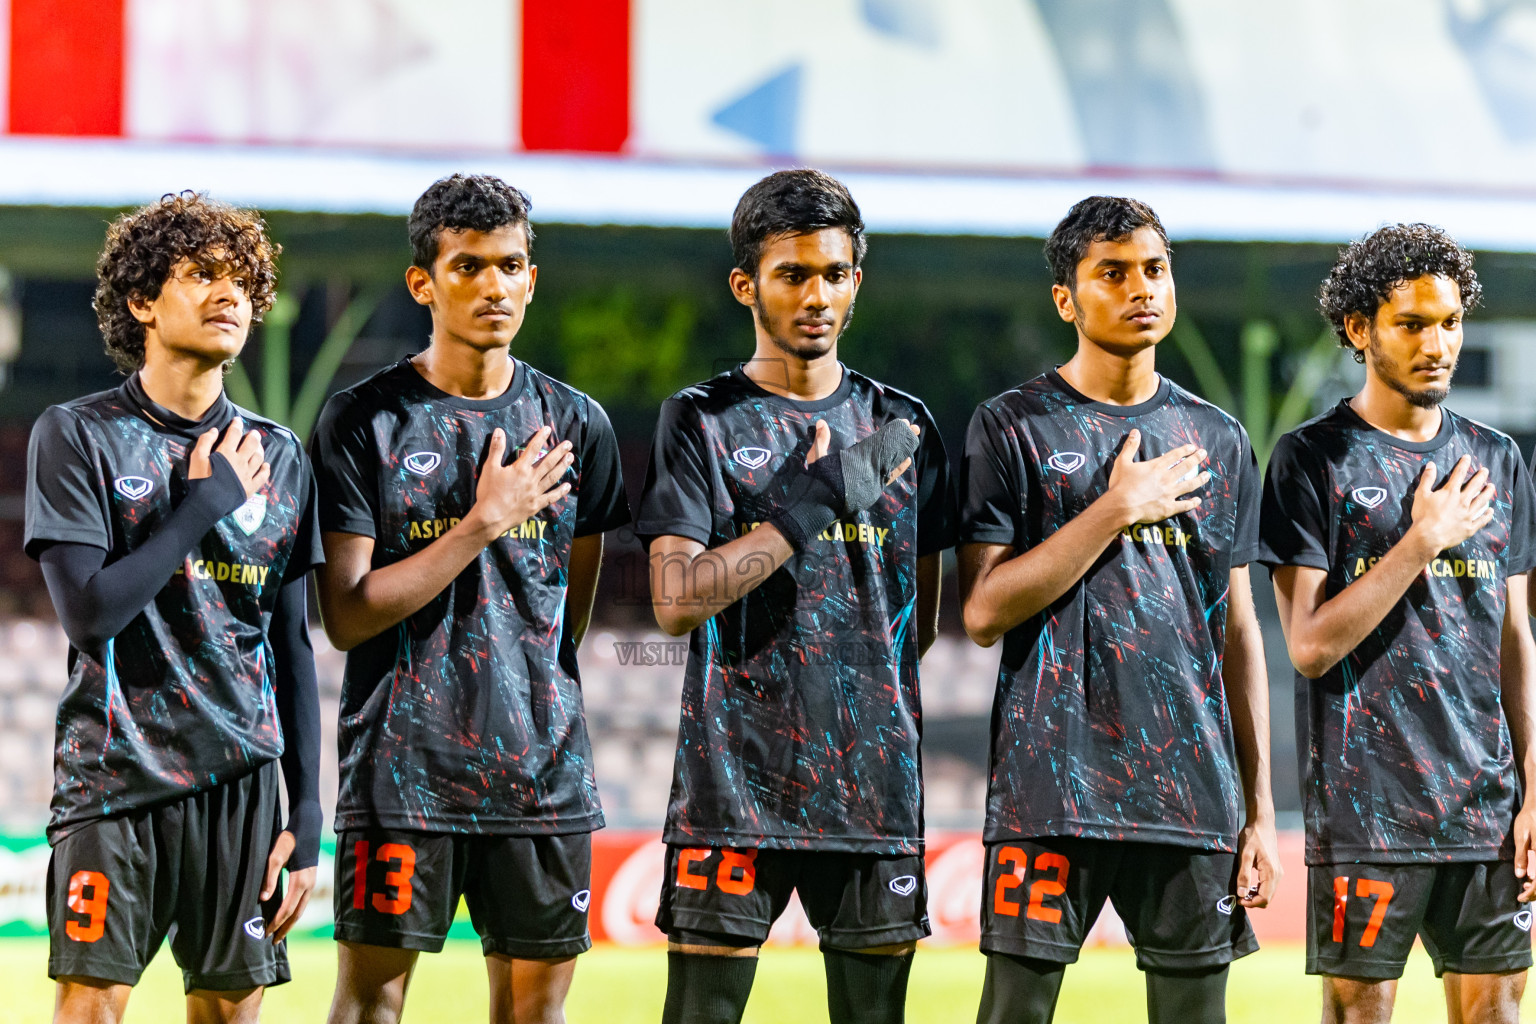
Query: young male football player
[(1400, 536), (175, 531), (795, 511), (464, 496), (1109, 519)]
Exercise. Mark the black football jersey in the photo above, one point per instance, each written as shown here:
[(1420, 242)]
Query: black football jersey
[(1404, 747), (182, 699), (1111, 720), (800, 714), (467, 716)]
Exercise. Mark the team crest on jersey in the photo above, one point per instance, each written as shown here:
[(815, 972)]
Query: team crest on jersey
[(1523, 920), (582, 900), (422, 463), (1067, 462), (133, 487), (251, 515), (1225, 905), (1370, 497), (902, 885), (752, 458), (256, 928)]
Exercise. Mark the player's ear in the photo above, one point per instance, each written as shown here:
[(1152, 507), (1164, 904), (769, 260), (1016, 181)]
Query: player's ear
[(533, 279), (141, 308), (1358, 330), (1066, 306), (743, 287), (419, 283)]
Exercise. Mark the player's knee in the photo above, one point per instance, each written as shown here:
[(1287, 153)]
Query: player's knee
[(82, 1000), (1357, 1000), (894, 949)]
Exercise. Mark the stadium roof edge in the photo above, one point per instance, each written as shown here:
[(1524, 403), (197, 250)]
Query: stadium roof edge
[(606, 190)]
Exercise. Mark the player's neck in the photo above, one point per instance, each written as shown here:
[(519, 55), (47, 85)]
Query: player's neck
[(804, 380), (182, 384), (1110, 377), (464, 371), (1388, 411)]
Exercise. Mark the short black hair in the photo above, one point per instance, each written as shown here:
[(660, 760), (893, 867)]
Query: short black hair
[(793, 203), (1096, 219), (143, 245), (464, 202), (1369, 268)]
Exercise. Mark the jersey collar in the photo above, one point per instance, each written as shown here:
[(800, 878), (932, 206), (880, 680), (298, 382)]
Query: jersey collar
[(217, 417)]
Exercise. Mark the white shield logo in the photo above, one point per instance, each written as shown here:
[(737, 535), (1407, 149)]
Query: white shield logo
[(902, 885), (752, 458), (251, 515), (1067, 462), (133, 487), (1225, 905), (422, 463), (256, 928), (581, 900), (1523, 920), (1370, 497)]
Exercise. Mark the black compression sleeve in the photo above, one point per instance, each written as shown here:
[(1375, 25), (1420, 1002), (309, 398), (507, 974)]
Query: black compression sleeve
[(298, 711), (95, 602)]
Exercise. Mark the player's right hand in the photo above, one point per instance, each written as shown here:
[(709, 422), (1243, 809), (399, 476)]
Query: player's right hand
[(511, 494), (243, 450), (1448, 515), (1151, 491)]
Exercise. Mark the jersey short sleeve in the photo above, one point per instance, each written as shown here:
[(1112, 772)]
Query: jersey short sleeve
[(64, 494), (1293, 528), (990, 493), (307, 550), (677, 499), (1246, 547), (345, 459), (601, 503), (936, 513), (1521, 554)]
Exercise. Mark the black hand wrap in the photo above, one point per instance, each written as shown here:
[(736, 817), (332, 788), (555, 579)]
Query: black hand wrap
[(843, 483)]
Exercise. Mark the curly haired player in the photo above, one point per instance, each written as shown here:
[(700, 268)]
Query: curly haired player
[(1401, 536), (175, 532)]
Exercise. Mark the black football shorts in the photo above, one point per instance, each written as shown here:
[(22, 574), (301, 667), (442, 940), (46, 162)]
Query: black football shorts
[(731, 897), (527, 895), (1362, 918), (192, 868), (1042, 896)]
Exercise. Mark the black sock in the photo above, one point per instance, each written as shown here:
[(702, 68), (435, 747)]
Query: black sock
[(1019, 990), (1187, 997), (864, 988), (707, 989)]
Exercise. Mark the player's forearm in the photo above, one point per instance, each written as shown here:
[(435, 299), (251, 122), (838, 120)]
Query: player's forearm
[(688, 590), (581, 588), (1246, 683), (1027, 584), (930, 582), (95, 602), (355, 610), (1320, 640), (1517, 682), (297, 691)]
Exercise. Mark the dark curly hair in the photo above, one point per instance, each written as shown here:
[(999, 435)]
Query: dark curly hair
[(793, 203), (464, 202), (1369, 269), (1096, 219), (144, 245)]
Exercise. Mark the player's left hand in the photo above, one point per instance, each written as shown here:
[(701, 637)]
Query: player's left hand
[(1525, 855), (300, 885), (1258, 864)]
